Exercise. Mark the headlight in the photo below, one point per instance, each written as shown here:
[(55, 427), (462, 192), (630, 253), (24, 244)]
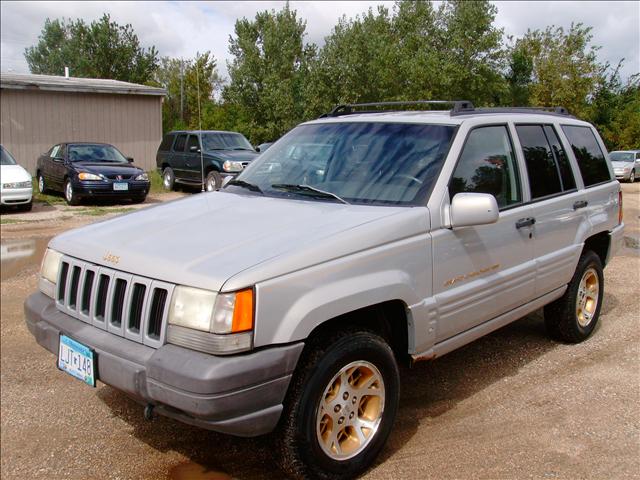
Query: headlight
[(211, 312), (89, 176), (17, 185), (210, 322), (49, 271), (230, 166), (142, 177)]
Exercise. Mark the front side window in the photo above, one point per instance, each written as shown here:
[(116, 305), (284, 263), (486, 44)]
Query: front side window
[(591, 161), (487, 165), (95, 153), (193, 142), (360, 162)]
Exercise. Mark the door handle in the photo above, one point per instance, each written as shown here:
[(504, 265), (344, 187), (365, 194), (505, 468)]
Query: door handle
[(525, 222), (580, 204)]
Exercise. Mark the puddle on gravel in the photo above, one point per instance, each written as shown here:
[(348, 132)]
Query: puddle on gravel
[(195, 471), (17, 255)]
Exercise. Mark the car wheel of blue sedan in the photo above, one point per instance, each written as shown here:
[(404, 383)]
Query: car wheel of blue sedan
[(69, 194)]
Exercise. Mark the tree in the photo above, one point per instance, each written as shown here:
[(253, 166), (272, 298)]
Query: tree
[(183, 79), (268, 73), (565, 66), (102, 49)]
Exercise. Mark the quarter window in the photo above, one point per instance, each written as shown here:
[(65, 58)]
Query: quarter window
[(487, 165), (591, 161), (180, 143), (547, 164)]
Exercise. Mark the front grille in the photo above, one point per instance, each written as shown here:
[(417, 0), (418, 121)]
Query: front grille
[(123, 304), (115, 177), (245, 164)]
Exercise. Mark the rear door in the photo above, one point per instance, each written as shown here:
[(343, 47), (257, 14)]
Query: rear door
[(558, 207), (58, 168), (178, 161), (483, 271)]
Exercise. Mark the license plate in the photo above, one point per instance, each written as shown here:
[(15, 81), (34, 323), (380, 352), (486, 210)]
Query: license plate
[(77, 360), (121, 186)]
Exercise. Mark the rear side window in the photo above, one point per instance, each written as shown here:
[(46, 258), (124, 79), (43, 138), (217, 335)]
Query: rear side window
[(547, 164), (180, 143), (487, 165), (591, 161), (167, 141)]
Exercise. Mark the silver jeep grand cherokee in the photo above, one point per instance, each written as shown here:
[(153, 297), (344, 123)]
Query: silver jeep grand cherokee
[(359, 240)]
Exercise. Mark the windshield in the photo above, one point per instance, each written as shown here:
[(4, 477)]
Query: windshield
[(367, 163), (225, 141), (5, 157), (95, 153), (622, 156)]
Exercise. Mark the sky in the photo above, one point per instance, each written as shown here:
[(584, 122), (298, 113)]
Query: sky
[(180, 29)]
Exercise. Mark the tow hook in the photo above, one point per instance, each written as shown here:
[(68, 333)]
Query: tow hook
[(148, 412)]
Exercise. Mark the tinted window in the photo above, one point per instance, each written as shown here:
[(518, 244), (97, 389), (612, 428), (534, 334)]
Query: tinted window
[(193, 142), (566, 174), (167, 141), (180, 143), (637, 156), (544, 175), (55, 152), (362, 162), (225, 141), (487, 165), (591, 161)]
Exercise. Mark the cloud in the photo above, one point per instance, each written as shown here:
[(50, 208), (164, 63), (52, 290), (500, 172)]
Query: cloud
[(180, 29)]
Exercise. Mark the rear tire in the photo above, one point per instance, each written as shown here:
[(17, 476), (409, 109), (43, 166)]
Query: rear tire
[(42, 187), (345, 383), (573, 317), (168, 179)]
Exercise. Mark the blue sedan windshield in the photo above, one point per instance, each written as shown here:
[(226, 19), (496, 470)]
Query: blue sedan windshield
[(366, 163), (95, 153)]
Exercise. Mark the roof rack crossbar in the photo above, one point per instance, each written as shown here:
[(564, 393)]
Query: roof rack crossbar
[(544, 110), (348, 108)]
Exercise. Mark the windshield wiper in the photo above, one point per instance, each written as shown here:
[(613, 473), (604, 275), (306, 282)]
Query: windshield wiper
[(247, 185), (241, 148), (289, 187)]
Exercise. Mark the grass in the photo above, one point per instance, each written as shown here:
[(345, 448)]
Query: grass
[(9, 221), (99, 211), (156, 182), (44, 198)]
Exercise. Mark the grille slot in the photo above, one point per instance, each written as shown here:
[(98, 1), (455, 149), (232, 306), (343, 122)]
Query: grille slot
[(75, 283), (135, 310), (117, 304), (62, 284), (122, 304), (156, 313), (85, 305), (101, 298)]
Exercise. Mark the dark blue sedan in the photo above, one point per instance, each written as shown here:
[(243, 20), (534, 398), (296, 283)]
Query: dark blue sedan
[(91, 170)]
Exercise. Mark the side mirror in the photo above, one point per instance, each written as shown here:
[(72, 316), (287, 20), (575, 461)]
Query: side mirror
[(130, 159), (468, 209), (194, 149)]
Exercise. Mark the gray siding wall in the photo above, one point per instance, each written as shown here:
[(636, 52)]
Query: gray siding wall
[(32, 121)]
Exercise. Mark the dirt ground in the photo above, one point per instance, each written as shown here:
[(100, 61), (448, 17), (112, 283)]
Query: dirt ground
[(511, 405)]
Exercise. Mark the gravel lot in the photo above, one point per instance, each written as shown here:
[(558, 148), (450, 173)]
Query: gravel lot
[(511, 405)]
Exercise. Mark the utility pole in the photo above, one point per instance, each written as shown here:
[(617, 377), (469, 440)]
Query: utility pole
[(182, 90)]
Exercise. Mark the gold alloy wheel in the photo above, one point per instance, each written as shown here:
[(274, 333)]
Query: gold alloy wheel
[(587, 299), (350, 410)]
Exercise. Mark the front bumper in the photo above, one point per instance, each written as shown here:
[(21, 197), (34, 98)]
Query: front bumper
[(620, 175), (239, 395), (15, 196), (105, 189)]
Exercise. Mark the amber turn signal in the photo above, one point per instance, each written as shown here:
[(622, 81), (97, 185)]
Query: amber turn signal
[(243, 311)]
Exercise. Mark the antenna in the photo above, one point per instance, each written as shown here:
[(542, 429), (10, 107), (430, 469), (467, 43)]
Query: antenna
[(200, 125)]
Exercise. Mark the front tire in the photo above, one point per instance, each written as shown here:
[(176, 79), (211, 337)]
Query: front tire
[(340, 408), (69, 193), (213, 181), (573, 317), (632, 176)]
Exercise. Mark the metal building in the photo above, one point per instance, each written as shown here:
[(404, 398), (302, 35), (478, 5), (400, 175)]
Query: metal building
[(39, 111)]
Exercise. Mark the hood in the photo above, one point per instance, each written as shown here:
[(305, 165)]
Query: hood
[(206, 239), (107, 168), (13, 173), (622, 164), (233, 155)]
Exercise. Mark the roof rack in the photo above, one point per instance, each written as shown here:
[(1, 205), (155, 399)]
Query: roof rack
[(459, 106), (542, 110)]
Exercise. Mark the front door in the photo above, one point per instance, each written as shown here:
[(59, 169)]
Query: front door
[(192, 159), (483, 271)]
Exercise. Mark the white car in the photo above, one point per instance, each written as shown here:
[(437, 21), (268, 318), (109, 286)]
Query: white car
[(626, 164), (15, 182)]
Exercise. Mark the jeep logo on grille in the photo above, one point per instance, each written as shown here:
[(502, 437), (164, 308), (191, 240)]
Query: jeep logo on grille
[(109, 257)]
